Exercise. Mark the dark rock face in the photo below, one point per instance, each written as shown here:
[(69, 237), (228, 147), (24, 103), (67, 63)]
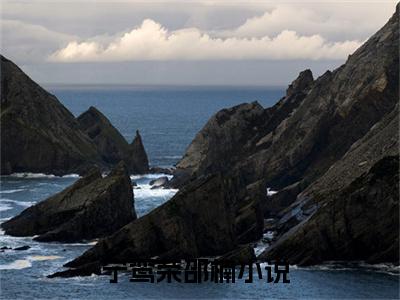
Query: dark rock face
[(200, 220), (361, 222), (244, 254), (111, 145), (316, 141), (38, 133), (92, 207), (137, 157)]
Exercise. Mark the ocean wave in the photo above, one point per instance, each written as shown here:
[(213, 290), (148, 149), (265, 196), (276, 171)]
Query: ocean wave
[(43, 257), (386, 268), (41, 175), (11, 191), (4, 207), (150, 176), (16, 265), (145, 192), (20, 203)]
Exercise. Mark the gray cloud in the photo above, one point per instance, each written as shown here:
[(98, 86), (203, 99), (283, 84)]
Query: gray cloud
[(33, 31)]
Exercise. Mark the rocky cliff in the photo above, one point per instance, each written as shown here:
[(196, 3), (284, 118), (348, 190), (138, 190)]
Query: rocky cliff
[(92, 207), (40, 135)]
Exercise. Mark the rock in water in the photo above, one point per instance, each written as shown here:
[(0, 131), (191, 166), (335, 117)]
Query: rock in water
[(137, 156), (159, 182), (92, 207), (111, 144), (38, 134), (205, 218)]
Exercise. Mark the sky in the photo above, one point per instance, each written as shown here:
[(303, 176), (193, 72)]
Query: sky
[(203, 42)]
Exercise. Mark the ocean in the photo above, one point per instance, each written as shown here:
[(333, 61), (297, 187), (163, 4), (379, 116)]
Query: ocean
[(168, 118)]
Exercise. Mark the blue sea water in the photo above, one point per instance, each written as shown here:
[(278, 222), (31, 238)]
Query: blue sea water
[(168, 118)]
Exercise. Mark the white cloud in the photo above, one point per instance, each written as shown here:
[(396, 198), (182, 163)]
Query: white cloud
[(151, 41), (333, 21)]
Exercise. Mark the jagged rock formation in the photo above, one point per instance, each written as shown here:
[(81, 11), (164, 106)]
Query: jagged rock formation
[(111, 145), (40, 135), (92, 207), (200, 220), (360, 222), (323, 135), (137, 157), (238, 129)]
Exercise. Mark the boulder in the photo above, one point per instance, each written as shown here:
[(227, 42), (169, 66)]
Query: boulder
[(159, 182), (92, 207)]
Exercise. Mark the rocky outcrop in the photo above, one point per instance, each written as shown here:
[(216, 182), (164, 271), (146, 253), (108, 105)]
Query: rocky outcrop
[(232, 134), (360, 222), (205, 218), (92, 207), (38, 133), (311, 128), (313, 143), (137, 157), (111, 145)]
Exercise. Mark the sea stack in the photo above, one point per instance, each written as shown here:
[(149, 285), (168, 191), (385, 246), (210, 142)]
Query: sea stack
[(137, 156), (111, 145)]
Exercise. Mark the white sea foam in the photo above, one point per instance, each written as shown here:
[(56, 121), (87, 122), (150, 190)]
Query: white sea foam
[(145, 191), (41, 175), (16, 265), (4, 207), (260, 248), (11, 191), (20, 203), (271, 192), (150, 176), (43, 257)]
